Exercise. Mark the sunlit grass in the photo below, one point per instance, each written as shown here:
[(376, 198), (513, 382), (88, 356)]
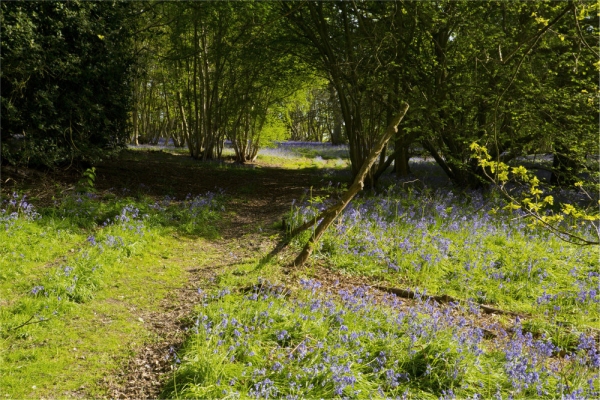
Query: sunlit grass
[(74, 279), (271, 341), (299, 155)]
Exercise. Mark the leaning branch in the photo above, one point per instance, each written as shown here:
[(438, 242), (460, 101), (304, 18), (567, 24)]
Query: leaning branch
[(580, 34), (332, 213)]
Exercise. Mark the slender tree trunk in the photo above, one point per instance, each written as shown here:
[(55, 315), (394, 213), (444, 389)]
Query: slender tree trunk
[(170, 133), (186, 129), (196, 108), (336, 135), (401, 156), (206, 93), (135, 115), (333, 212)]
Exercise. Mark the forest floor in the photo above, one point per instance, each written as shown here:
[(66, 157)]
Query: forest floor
[(147, 294), (258, 195)]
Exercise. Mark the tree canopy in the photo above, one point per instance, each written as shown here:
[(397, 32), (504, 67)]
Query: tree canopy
[(81, 78)]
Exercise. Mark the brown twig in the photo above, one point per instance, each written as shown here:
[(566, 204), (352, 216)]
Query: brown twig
[(29, 322), (409, 294)]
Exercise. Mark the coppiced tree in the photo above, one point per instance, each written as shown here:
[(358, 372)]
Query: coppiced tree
[(217, 71), (362, 48)]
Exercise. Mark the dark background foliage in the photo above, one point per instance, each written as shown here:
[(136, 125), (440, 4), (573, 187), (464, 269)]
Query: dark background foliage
[(65, 81)]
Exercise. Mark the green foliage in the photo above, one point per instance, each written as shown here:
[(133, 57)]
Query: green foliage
[(65, 73), (517, 77), (563, 218), (273, 130), (311, 114), (86, 183), (511, 75)]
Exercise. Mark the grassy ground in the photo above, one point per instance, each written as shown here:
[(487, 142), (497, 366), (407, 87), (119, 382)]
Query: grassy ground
[(77, 279), (302, 335), (86, 279), (262, 334), (462, 246)]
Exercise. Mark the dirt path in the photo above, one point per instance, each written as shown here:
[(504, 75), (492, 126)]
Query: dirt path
[(258, 198)]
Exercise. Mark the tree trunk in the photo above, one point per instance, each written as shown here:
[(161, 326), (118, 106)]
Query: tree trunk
[(401, 157), (332, 213), (564, 168), (186, 129), (135, 116), (196, 125)]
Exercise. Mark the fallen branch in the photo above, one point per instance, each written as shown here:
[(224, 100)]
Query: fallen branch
[(261, 288), (440, 299), (409, 294), (329, 215)]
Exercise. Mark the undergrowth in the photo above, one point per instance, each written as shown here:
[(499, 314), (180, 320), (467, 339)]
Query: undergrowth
[(464, 246), (266, 341)]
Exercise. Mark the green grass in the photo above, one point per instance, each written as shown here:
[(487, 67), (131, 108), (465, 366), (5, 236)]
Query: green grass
[(450, 245), (315, 163), (76, 280)]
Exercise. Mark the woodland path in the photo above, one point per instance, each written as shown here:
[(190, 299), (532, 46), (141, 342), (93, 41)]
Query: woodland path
[(257, 198)]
